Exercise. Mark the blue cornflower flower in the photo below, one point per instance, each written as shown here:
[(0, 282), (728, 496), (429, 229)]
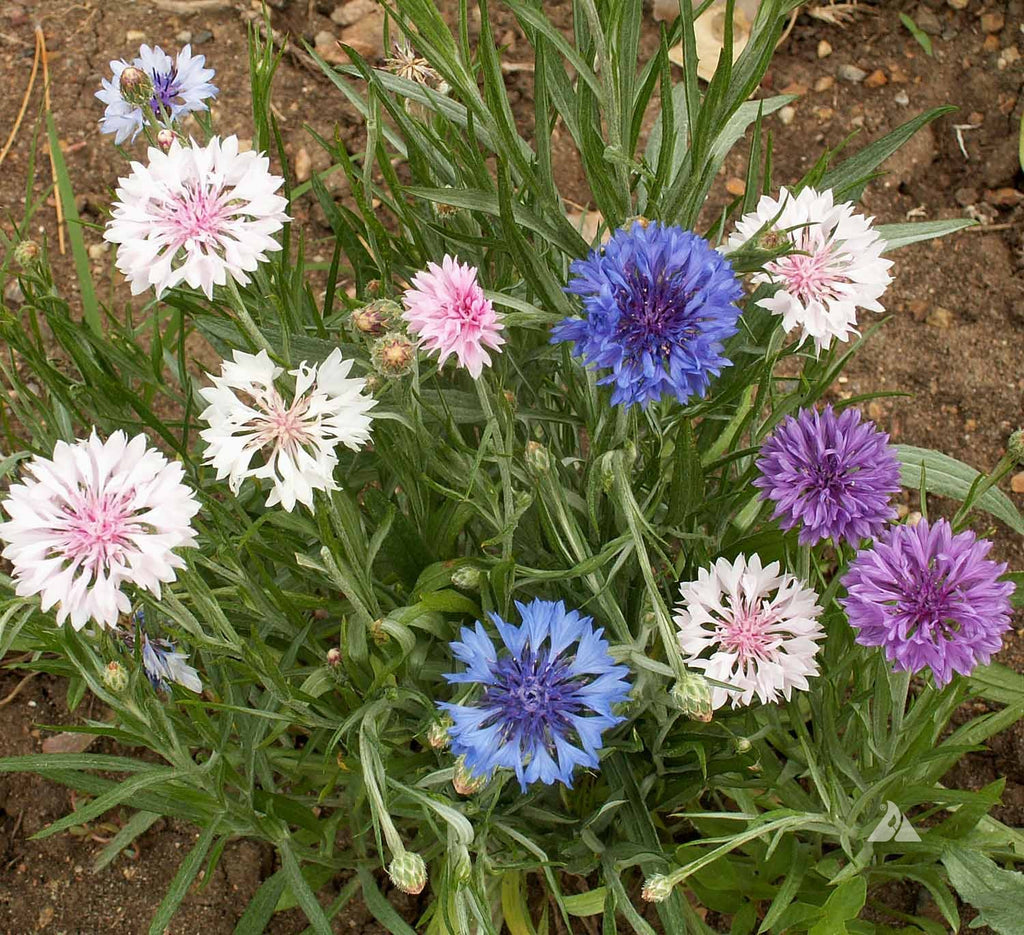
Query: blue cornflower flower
[(545, 702), (180, 85), (164, 665), (660, 303)]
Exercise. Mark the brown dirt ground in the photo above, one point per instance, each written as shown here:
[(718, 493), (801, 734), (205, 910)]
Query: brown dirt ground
[(954, 343)]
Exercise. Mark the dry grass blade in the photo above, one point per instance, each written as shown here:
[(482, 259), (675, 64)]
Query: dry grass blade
[(24, 105)]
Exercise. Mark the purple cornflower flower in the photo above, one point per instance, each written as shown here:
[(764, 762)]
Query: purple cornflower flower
[(660, 303), (545, 702), (930, 598), (830, 475)]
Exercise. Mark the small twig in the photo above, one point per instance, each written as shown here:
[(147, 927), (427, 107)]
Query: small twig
[(17, 688), (41, 45), (24, 106), (959, 128), (992, 228), (185, 7)]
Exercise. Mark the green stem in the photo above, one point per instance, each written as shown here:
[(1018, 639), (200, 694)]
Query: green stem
[(1006, 464), (245, 319), (508, 494)]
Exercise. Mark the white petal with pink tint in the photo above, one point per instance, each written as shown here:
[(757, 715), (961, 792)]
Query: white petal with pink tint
[(753, 628), (196, 214), (95, 516), (837, 267), (294, 442)]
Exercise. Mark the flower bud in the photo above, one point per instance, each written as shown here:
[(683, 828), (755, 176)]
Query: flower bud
[(136, 86), (115, 677), (334, 657), (692, 696), (460, 862), (408, 872), (375, 317), (1015, 446), (464, 780), (26, 253), (165, 139), (437, 733), (466, 577), (657, 888), (538, 458), (393, 354), (742, 744)]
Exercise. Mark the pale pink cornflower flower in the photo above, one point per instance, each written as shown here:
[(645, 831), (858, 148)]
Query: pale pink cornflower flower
[(752, 628), (836, 267), (295, 440), (95, 516), (449, 312), (196, 214)]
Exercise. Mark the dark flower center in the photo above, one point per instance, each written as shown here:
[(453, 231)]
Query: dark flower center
[(928, 603), (656, 313), (165, 91), (829, 478), (534, 695)]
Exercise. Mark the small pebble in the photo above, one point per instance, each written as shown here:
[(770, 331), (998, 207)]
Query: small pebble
[(958, 4), (876, 79), (13, 295), (976, 117), (992, 22), (824, 48), (787, 114), (735, 187), (991, 43), (1017, 483), (902, 98), (134, 35), (824, 83), (184, 37), (1004, 197), (303, 165), (203, 36), (940, 317), (927, 21), (852, 73), (98, 250), (966, 196)]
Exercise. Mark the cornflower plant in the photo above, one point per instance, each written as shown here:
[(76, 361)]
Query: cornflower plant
[(526, 574)]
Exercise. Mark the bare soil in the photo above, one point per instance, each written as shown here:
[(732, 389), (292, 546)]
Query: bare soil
[(955, 343)]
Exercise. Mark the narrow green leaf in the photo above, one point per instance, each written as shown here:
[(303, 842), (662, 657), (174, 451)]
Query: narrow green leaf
[(183, 879)]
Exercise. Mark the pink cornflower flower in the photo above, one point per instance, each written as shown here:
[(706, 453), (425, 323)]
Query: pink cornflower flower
[(835, 268), (196, 214), (98, 515), (447, 309), (751, 627)]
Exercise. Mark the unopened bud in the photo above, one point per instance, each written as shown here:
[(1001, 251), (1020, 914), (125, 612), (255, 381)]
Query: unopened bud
[(464, 780), (321, 613), (394, 354), (115, 677), (693, 697), (466, 577), (136, 86), (437, 733), (165, 139), (657, 888), (742, 744), (375, 317), (372, 383), (26, 253), (538, 458), (460, 862), (334, 657), (408, 872), (1015, 446)]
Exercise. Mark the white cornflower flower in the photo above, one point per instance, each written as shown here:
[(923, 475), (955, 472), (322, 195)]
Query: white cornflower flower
[(296, 441), (838, 266), (760, 627), (179, 86), (97, 515), (196, 214)]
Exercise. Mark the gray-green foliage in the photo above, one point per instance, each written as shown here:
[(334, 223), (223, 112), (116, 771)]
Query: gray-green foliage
[(767, 810)]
